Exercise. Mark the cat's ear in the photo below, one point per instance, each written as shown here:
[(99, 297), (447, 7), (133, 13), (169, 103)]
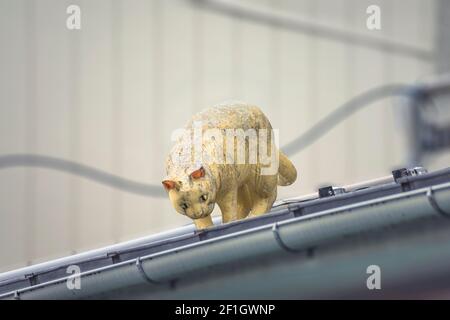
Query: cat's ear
[(169, 185), (197, 174)]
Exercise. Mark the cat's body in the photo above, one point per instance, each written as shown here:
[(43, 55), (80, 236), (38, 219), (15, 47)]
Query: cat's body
[(239, 188)]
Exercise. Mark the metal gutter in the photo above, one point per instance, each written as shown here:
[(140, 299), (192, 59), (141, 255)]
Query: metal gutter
[(297, 234), (414, 260), (96, 254), (285, 209)]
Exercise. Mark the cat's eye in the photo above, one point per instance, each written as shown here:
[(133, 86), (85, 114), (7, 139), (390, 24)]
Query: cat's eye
[(184, 206), (204, 197)]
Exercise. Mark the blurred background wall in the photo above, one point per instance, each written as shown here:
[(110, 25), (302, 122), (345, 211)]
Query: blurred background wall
[(109, 96)]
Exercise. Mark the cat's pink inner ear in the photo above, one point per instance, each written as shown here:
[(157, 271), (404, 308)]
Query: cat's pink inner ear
[(169, 184), (197, 174)]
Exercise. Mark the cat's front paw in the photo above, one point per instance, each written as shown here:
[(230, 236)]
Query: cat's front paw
[(203, 223)]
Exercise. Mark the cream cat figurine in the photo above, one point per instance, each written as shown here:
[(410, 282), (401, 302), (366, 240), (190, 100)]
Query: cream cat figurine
[(240, 189)]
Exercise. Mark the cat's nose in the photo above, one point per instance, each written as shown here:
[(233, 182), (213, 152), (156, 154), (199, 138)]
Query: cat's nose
[(196, 215), (199, 214)]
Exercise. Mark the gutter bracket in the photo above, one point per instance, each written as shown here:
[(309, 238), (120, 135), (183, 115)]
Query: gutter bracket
[(16, 295), (280, 242), (434, 204), (115, 256), (31, 278), (293, 208), (142, 272)]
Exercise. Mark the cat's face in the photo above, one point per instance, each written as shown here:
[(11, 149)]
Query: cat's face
[(193, 196)]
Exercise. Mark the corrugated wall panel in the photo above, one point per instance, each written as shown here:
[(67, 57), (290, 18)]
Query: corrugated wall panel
[(110, 95)]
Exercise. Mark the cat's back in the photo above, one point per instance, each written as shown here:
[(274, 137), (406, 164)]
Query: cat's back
[(231, 115), (227, 115)]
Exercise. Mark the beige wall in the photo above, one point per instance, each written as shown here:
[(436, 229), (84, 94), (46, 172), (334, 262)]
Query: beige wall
[(110, 95)]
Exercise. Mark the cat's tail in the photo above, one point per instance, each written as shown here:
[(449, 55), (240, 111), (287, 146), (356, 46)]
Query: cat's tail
[(287, 174)]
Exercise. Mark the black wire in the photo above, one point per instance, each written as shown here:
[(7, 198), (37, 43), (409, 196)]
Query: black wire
[(32, 160), (265, 17), (342, 112), (151, 190)]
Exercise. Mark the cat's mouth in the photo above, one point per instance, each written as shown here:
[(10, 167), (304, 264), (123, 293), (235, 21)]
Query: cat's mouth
[(200, 216), (204, 213)]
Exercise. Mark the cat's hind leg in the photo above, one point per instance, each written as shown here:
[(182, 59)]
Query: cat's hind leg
[(262, 205), (244, 202), (264, 196)]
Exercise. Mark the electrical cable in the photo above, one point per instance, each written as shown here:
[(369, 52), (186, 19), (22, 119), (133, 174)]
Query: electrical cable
[(342, 112), (152, 190), (286, 20), (102, 177)]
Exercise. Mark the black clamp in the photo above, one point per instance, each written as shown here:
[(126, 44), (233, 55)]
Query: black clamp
[(326, 192), (330, 191), (410, 172)]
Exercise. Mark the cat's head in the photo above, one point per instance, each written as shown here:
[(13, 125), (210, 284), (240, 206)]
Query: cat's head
[(193, 195)]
